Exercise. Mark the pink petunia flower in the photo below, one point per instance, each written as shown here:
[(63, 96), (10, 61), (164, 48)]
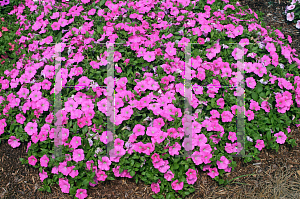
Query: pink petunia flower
[(104, 164), (290, 16), (155, 187), (81, 193), (223, 163), (64, 185), (251, 83), (78, 155), (44, 161), (281, 137), (75, 142), (43, 175), (55, 26), (260, 144), (14, 142), (176, 185)]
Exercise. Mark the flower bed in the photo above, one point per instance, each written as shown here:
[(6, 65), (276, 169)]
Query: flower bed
[(150, 90)]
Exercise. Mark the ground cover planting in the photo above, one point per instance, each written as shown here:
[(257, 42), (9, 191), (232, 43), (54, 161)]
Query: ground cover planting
[(60, 74)]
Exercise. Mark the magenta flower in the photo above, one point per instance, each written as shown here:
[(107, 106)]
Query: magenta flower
[(104, 164), (31, 128), (223, 163), (64, 185), (227, 116), (32, 160), (251, 83), (169, 175), (232, 136), (237, 53), (139, 130), (250, 115), (101, 176), (43, 175), (260, 144), (176, 185), (75, 142), (44, 161), (213, 172), (281, 137), (149, 56), (81, 193), (155, 187), (14, 142), (270, 47), (78, 155), (55, 26)]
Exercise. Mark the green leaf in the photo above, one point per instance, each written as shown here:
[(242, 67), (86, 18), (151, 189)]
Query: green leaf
[(48, 189), (259, 88), (102, 2), (254, 96), (132, 173), (269, 135), (72, 191), (170, 196)]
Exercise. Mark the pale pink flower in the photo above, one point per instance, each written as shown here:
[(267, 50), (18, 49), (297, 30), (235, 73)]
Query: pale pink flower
[(298, 24), (291, 7), (290, 16)]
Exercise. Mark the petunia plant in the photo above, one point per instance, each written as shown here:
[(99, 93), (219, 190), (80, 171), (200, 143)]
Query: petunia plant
[(58, 90)]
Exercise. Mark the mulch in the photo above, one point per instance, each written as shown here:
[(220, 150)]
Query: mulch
[(276, 174)]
